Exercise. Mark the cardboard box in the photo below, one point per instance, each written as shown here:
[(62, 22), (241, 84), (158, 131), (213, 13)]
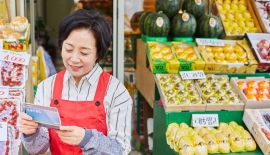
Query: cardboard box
[(145, 81), (255, 124), (211, 66), (220, 106), (262, 15), (18, 45), (229, 35), (250, 104), (253, 39), (177, 107)]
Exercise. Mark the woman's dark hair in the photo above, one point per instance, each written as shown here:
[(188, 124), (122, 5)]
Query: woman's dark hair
[(91, 20)]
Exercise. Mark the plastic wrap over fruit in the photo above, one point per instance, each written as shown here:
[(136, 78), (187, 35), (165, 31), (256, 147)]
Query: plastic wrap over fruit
[(169, 130), (200, 147), (223, 143), (211, 143), (185, 146), (179, 134), (237, 142), (249, 141)]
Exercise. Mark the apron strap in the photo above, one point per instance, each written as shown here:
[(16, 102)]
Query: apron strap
[(58, 85), (102, 86)]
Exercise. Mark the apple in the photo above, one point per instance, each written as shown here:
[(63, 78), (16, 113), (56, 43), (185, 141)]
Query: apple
[(242, 2), (230, 55), (263, 44), (252, 84), (249, 23), (263, 53), (241, 23), (261, 97), (238, 15), (234, 24), (251, 97), (230, 15), (242, 7), (226, 23), (222, 16), (242, 85), (219, 6), (263, 84), (251, 91)]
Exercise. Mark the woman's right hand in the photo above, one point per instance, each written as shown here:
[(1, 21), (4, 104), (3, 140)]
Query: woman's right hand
[(27, 125)]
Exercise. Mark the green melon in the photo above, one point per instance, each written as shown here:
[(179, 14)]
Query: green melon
[(195, 7), (157, 24), (183, 25), (209, 26), (169, 7), (142, 20)]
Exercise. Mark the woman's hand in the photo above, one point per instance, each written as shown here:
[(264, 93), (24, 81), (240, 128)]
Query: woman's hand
[(72, 135), (27, 125)]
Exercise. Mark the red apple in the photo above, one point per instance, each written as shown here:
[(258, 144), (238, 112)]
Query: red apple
[(263, 52), (263, 43)]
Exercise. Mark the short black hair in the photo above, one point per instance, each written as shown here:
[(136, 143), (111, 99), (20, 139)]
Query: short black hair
[(87, 19)]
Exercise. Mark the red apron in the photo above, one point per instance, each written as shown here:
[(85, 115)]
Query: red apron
[(86, 114)]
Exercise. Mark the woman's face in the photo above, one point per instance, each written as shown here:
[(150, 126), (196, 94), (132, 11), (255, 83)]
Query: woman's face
[(79, 53)]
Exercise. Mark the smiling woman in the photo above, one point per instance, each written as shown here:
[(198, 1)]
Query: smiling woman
[(94, 107)]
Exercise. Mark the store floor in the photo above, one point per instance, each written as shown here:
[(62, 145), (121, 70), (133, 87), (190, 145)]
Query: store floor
[(60, 66)]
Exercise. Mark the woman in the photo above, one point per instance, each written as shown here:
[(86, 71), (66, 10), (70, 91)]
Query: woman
[(94, 107)]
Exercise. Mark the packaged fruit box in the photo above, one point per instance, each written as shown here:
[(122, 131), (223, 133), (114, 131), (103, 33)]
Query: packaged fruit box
[(235, 56), (253, 91), (161, 58), (218, 94), (256, 121), (20, 44), (260, 44), (188, 56), (238, 18), (224, 139), (177, 94), (262, 11)]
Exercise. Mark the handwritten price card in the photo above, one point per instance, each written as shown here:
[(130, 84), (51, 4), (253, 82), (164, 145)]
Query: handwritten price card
[(15, 57), (4, 92), (201, 120), (209, 42), (189, 75)]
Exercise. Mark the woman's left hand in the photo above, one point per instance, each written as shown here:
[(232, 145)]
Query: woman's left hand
[(72, 135)]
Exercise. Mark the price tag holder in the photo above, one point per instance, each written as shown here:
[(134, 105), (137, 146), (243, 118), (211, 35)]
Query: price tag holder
[(3, 131), (201, 120), (4, 92), (190, 75), (15, 57), (209, 42)]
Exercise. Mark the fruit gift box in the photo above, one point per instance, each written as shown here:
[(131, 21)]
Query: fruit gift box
[(257, 122), (178, 95), (235, 56), (188, 56), (161, 58), (253, 91), (238, 18), (218, 94), (260, 44), (262, 11)]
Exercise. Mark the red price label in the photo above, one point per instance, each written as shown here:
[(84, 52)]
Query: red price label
[(15, 57), (4, 92)]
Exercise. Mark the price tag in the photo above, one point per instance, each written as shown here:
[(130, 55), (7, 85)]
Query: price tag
[(1, 44), (209, 42), (187, 75), (200, 120), (4, 92), (15, 57), (3, 131)]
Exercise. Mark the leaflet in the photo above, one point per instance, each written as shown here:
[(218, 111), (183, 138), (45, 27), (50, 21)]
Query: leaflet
[(46, 116)]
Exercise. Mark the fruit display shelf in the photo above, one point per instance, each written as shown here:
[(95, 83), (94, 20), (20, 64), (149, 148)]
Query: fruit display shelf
[(162, 119)]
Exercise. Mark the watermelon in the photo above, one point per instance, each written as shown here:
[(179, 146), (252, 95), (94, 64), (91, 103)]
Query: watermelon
[(157, 24), (142, 20), (169, 7), (209, 26), (183, 25), (195, 7)]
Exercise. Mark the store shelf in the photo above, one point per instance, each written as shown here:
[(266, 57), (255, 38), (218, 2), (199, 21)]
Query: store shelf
[(162, 119)]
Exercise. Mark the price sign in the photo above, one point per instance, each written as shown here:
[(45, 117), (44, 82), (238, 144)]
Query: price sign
[(188, 75), (209, 42), (15, 57), (4, 91), (200, 120), (3, 131)]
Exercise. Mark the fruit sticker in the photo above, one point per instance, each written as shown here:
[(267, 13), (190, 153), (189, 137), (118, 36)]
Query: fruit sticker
[(159, 22), (185, 17), (198, 2), (212, 22)]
